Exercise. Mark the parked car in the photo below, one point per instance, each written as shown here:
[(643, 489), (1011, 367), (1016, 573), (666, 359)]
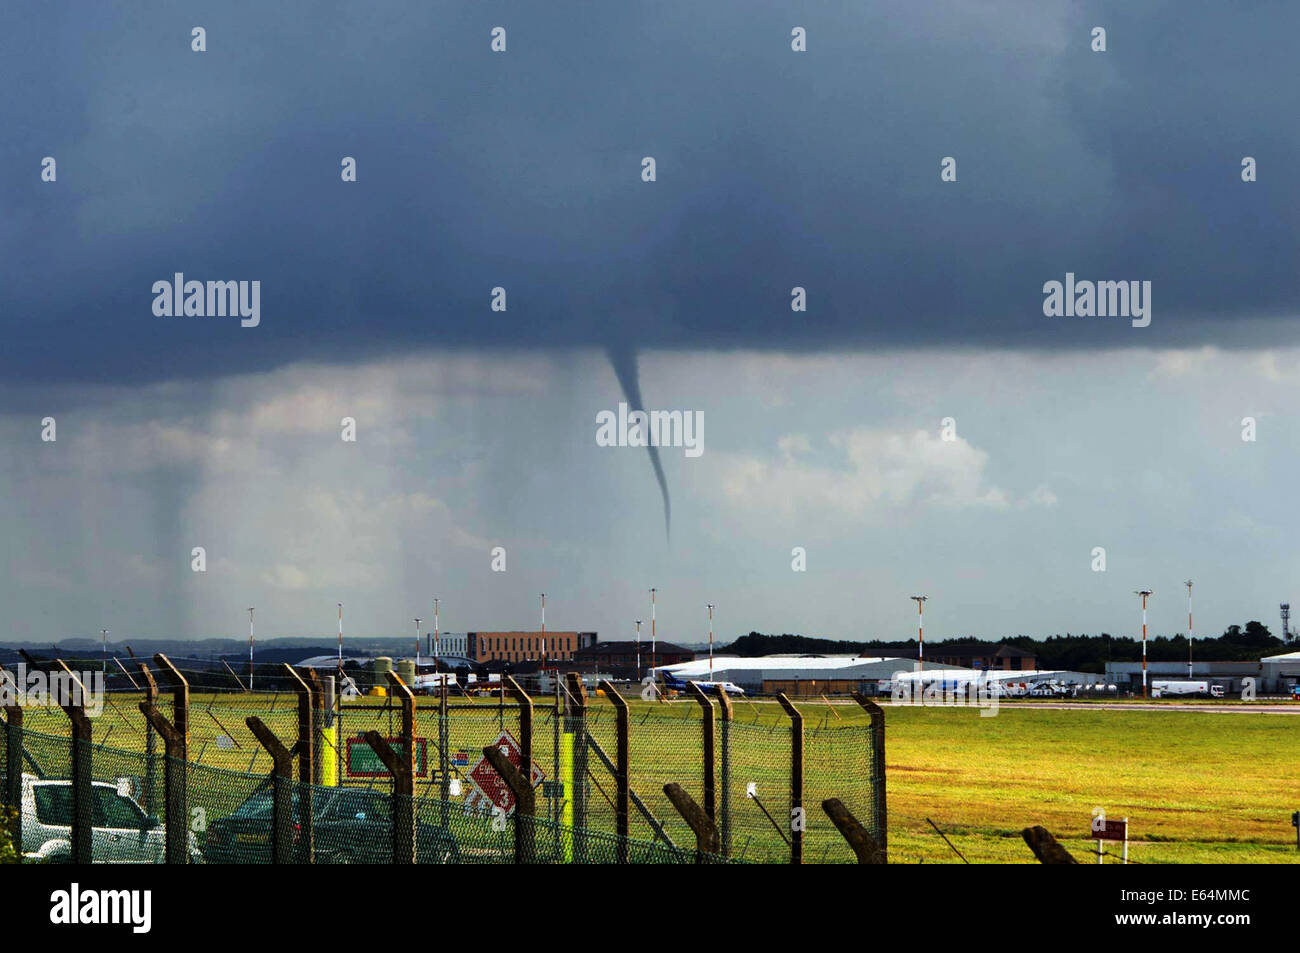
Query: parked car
[(121, 831), (350, 826)]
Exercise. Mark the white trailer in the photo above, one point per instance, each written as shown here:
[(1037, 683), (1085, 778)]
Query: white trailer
[(1185, 687)]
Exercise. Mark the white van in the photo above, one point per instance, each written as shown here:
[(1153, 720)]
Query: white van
[(121, 832)]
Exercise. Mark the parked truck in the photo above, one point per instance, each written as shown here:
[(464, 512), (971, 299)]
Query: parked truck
[(1185, 687)]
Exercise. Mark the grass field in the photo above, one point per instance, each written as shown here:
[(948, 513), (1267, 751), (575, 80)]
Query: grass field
[(1197, 787)]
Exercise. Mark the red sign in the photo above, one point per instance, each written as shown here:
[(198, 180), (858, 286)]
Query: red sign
[(490, 785), (1110, 830)]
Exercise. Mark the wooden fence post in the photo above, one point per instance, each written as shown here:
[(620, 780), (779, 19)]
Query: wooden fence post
[(706, 832), (1045, 847), (622, 767), (864, 845), (796, 820), (281, 790)]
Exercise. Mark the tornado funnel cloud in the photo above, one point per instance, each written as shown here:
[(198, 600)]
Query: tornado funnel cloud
[(623, 359)]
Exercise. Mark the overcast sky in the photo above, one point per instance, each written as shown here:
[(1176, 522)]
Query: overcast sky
[(522, 169)]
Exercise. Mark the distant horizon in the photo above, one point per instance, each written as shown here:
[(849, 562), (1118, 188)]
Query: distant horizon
[(330, 641)]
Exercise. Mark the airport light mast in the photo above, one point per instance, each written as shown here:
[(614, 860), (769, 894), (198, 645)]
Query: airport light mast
[(1188, 584), (920, 630), (654, 645), (417, 645), (1144, 593), (250, 648), (710, 641), (103, 635), (436, 648), (638, 650), (340, 646)]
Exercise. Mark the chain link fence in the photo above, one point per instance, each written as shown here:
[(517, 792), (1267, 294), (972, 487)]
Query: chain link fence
[(597, 781)]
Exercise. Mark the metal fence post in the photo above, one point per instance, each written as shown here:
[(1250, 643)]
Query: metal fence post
[(796, 819), (404, 785), (521, 786), (403, 799), (281, 790), (553, 803), (13, 793), (706, 750), (724, 704), (577, 723), (622, 765), (305, 749), (525, 837), (176, 751), (319, 723), (525, 725), (444, 755), (150, 743), (878, 802), (73, 704)]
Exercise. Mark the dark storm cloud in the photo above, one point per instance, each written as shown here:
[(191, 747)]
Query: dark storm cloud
[(521, 169)]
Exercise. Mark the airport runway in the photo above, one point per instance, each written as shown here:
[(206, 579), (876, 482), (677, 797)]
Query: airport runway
[(1166, 706)]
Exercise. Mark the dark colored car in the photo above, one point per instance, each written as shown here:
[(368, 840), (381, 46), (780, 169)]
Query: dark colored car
[(349, 827)]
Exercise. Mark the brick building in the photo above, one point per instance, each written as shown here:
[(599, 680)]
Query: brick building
[(619, 658), (525, 646), (981, 655)]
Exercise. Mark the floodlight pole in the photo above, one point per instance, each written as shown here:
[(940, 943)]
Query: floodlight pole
[(1144, 593), (638, 650), (710, 641), (340, 646), (543, 631), (436, 648), (103, 635), (417, 645), (920, 631), (654, 644), (1189, 628)]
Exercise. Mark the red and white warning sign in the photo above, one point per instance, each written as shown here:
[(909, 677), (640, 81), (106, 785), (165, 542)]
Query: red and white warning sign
[(489, 790)]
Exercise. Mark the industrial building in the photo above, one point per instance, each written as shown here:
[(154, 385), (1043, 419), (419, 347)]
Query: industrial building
[(620, 659), (794, 674), (448, 644), (1279, 674), (1228, 675), (973, 653)]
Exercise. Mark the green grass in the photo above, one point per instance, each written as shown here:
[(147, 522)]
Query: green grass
[(1196, 787)]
